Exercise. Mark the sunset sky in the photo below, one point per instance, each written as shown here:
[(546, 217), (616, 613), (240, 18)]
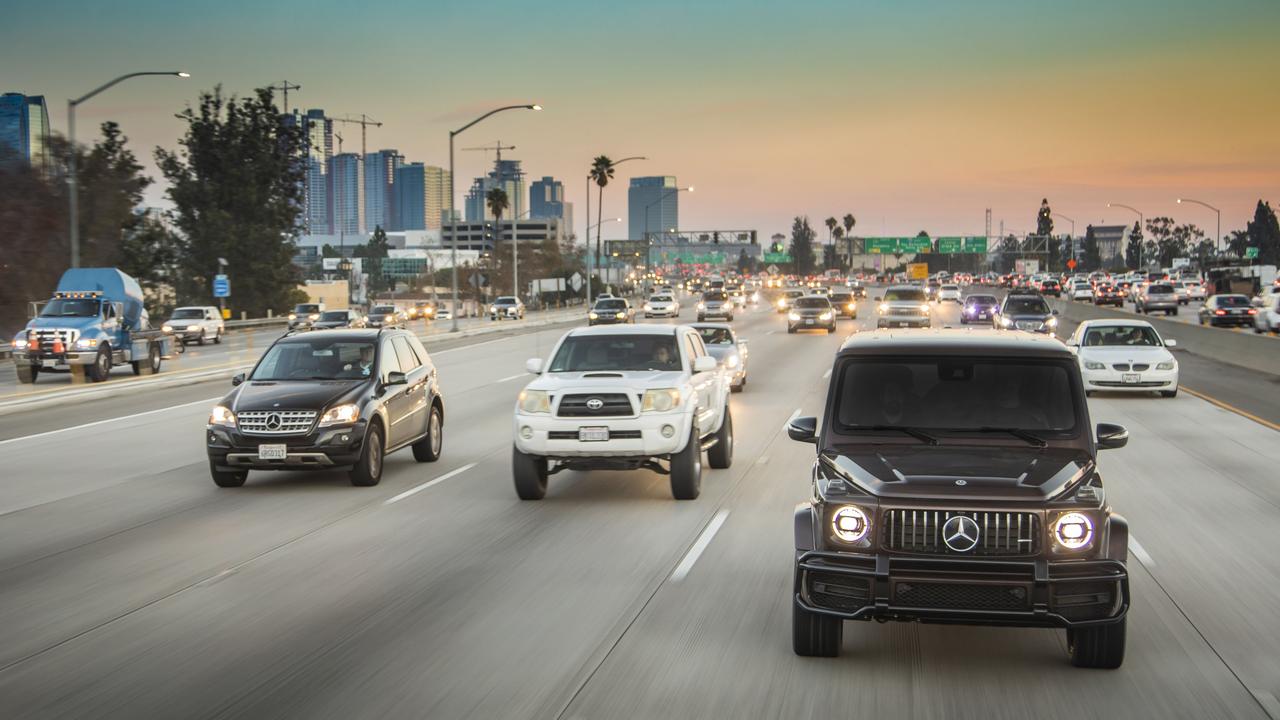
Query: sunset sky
[(911, 114)]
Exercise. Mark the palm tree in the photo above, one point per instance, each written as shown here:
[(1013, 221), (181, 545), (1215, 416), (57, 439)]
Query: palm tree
[(498, 203), (837, 233), (849, 222), (601, 173)]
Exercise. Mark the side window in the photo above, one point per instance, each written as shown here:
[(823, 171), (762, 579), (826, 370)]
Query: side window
[(420, 351), (692, 348), (408, 361), (389, 363)]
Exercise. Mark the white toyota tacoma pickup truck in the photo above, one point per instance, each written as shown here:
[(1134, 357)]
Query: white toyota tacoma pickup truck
[(622, 398)]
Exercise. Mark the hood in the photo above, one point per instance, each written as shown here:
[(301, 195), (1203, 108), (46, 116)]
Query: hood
[(607, 381), (71, 323), (722, 352), (1120, 353), (963, 474), (291, 394)]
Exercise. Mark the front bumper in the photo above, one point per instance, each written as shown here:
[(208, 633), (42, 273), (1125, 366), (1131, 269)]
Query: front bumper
[(1150, 305), (634, 437), (52, 361), (1111, 380), (811, 323), (724, 311), (331, 447), (909, 321), (608, 320), (670, 311), (1032, 593)]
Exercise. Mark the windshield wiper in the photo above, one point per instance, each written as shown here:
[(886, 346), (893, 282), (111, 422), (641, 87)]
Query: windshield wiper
[(920, 435), (1030, 438)]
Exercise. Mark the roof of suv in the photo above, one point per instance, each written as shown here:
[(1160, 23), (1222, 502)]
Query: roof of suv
[(954, 342)]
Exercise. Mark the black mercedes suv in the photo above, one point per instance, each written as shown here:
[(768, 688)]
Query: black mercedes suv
[(1026, 310), (956, 481), (329, 399)]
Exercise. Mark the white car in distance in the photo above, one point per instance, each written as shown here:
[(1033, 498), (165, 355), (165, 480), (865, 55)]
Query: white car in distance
[(1124, 356), (623, 398), (949, 293), (662, 305), (1082, 291)]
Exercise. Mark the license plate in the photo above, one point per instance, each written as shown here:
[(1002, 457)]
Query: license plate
[(983, 316), (49, 363), (1130, 378), (272, 452), (808, 322), (593, 434)]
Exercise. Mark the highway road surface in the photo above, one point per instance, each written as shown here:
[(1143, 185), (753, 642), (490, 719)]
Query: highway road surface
[(132, 587)]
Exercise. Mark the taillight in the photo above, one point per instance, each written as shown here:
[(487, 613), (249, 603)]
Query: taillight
[(1253, 311), (1219, 312)]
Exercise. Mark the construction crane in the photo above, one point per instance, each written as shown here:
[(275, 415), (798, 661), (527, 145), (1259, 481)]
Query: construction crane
[(364, 121), (496, 146), (339, 136), (284, 87)]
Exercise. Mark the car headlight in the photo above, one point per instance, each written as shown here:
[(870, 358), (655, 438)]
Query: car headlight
[(794, 317), (1073, 531), (850, 524), (20, 339), (620, 315), (313, 316), (851, 306), (648, 307), (593, 315), (924, 307), (166, 328), (222, 415), (661, 400), (731, 361), (86, 343), (493, 308), (340, 415), (1006, 322), (534, 401), (884, 307), (782, 304), (1094, 365), (293, 316), (825, 316), (1052, 322), (1167, 365), (702, 306)]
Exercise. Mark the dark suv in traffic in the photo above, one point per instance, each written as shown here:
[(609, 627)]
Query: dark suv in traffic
[(1026, 310), (329, 399), (956, 481)]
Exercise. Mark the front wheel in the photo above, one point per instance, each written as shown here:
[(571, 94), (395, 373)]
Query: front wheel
[(227, 478), (368, 472), (814, 635), (1099, 647), (101, 366), (686, 468), (721, 454), (27, 373), (530, 475), (428, 448)]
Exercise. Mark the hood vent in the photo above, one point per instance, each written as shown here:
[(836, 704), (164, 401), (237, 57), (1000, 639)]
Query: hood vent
[(602, 374)]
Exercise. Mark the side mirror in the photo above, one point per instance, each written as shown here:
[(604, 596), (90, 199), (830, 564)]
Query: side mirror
[(237, 379), (533, 366), (876, 298), (395, 377), (1111, 437), (1055, 312), (706, 363), (803, 429), (1170, 342), (1075, 349)]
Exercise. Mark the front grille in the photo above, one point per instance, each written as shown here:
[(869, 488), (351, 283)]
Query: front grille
[(1136, 367), (613, 435), (47, 336), (999, 533), (904, 311), (1143, 384), (1031, 325), (960, 596), (611, 405), (276, 422)]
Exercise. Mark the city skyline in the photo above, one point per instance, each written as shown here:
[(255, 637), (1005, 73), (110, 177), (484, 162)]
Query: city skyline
[(1137, 108)]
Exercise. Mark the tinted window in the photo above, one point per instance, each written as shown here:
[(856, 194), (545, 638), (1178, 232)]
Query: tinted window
[(714, 295), (956, 393), (330, 315), (188, 314), (383, 310), (70, 308), (1233, 301), (1160, 289), (660, 298), (715, 335), (316, 360), (1121, 335), (1025, 305), (904, 295), (812, 302), (611, 304), (616, 352), (301, 309), (950, 287), (505, 301), (388, 362), (980, 300)]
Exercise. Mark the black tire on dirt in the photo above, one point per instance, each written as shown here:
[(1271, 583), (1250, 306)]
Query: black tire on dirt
[(1099, 647), (720, 456), (429, 447), (686, 469), (530, 475), (368, 471), (27, 374), (227, 478)]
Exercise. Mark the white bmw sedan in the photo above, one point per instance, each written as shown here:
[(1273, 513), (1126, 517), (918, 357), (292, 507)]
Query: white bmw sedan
[(1124, 356)]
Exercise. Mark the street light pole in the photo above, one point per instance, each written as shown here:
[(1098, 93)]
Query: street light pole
[(1217, 238), (1073, 233), (453, 220), (588, 264), (72, 185), (647, 242), (1142, 222)]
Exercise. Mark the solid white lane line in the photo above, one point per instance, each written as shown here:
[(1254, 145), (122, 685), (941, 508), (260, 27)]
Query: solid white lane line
[(468, 347), (110, 420), (763, 460), (827, 375), (794, 415), (414, 491), (703, 541), (1141, 553), (511, 377)]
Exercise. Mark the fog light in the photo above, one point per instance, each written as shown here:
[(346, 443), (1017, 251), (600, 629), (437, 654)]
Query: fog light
[(668, 431), (344, 438), (526, 432)]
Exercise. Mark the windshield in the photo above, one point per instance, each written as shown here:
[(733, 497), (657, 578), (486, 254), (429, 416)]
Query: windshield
[(1232, 300), (1026, 305), (303, 309), (505, 301), (716, 336), (611, 304), (980, 300), (334, 315), (812, 302), (383, 309), (616, 352), (904, 295), (950, 287), (316, 360), (1121, 335), (61, 307), (660, 298), (714, 296), (188, 314), (955, 393), (794, 293)]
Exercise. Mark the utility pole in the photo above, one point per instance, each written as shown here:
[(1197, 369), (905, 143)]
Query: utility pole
[(284, 87)]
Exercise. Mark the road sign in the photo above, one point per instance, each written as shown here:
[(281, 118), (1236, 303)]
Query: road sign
[(221, 286), (881, 245), (950, 245), (780, 257), (916, 245), (575, 282), (1250, 253), (479, 280), (975, 245), (1181, 262), (1071, 264), (917, 271), (773, 269)]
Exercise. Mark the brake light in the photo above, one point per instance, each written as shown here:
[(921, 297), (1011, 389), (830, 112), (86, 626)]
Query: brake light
[(1253, 311), (1219, 312)]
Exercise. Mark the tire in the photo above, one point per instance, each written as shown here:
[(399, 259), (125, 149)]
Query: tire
[(152, 365), (1088, 393), (720, 456), (368, 471), (831, 330), (1172, 312), (217, 337), (814, 635), (791, 330), (227, 478), (203, 332), (1169, 393), (27, 374), (700, 318), (1257, 330), (428, 449), (686, 469), (101, 366), (530, 475), (1099, 647)]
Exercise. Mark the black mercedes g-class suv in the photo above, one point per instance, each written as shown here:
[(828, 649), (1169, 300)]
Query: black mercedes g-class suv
[(956, 481), (329, 399)]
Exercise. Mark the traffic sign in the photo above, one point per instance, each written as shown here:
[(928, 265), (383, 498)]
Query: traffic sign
[(221, 286), (1250, 253), (575, 281), (917, 271), (779, 257), (881, 245), (916, 245), (1071, 264), (975, 245), (950, 245), (773, 269)]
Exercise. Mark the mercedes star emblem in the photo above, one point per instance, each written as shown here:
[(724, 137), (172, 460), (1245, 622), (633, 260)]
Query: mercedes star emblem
[(273, 421), (595, 404), (960, 533)]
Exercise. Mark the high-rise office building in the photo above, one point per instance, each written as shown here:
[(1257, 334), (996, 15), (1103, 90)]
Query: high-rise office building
[(546, 200), (652, 204), (507, 175), (24, 129), (379, 189), (319, 211), (437, 195), (348, 213), (411, 197)]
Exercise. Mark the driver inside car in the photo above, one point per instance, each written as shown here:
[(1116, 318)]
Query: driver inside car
[(362, 367)]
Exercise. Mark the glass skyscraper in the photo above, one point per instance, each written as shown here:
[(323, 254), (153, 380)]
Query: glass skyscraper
[(411, 197), (24, 129), (655, 197), (348, 213), (379, 189), (507, 175), (546, 200), (319, 188)]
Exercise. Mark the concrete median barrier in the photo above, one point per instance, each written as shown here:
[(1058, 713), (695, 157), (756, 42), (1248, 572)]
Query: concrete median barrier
[(1247, 350)]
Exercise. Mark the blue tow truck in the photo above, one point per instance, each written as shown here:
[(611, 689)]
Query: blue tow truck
[(93, 322)]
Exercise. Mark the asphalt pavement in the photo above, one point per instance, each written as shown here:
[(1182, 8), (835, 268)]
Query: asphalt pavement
[(132, 587)]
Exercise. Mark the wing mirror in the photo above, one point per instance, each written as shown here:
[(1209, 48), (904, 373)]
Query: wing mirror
[(1170, 342), (1055, 312), (1111, 437), (395, 377), (237, 379), (706, 363), (876, 298), (803, 429), (533, 366)]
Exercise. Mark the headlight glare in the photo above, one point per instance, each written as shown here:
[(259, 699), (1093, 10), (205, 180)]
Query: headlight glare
[(593, 315), (222, 415), (884, 307), (1073, 531), (661, 400), (1052, 322), (87, 343), (794, 317), (825, 316), (1006, 322), (534, 401), (849, 524), (340, 415), (731, 361)]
